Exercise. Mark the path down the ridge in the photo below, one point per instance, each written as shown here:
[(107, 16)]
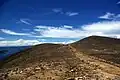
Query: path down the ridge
[(107, 69)]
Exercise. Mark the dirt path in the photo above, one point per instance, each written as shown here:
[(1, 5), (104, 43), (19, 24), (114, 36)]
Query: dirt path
[(107, 69)]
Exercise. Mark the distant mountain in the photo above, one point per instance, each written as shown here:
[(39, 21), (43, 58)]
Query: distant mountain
[(82, 60), (9, 50), (3, 51)]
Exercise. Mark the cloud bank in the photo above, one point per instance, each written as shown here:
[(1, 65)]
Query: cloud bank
[(103, 28), (23, 42), (20, 42)]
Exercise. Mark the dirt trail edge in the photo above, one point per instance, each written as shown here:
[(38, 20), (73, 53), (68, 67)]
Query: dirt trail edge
[(107, 69)]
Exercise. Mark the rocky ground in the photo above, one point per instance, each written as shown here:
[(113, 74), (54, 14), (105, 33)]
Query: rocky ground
[(57, 62)]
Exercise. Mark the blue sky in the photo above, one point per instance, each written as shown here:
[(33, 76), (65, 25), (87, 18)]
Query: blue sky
[(30, 22)]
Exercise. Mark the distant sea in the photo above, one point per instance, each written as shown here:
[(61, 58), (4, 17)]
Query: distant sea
[(7, 51)]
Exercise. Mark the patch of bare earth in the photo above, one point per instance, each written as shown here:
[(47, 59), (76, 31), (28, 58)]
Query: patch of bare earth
[(60, 63)]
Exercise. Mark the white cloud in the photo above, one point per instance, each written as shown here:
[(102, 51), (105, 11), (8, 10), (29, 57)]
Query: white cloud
[(56, 32), (57, 10), (69, 27), (60, 33), (36, 36), (43, 40), (1, 38), (64, 42), (20, 42), (65, 33), (105, 28), (32, 33), (25, 21), (72, 13), (118, 2), (118, 15), (13, 33), (110, 16), (43, 27), (57, 42)]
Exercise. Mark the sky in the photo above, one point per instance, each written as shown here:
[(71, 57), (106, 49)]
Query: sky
[(31, 22)]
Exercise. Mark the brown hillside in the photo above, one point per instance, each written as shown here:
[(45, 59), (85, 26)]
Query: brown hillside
[(61, 62), (101, 47)]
